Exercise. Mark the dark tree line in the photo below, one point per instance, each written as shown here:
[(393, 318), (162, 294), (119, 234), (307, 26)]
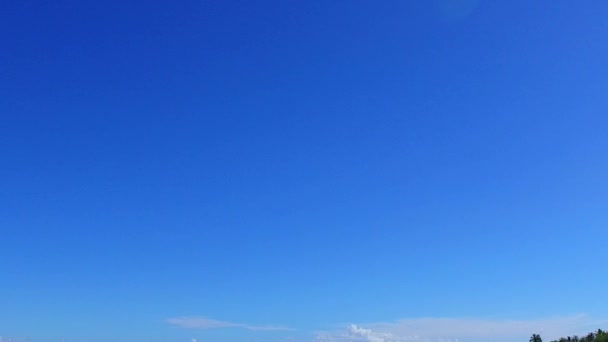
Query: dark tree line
[(597, 336)]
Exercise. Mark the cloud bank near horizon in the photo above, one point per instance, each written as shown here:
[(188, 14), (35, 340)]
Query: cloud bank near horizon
[(462, 329)]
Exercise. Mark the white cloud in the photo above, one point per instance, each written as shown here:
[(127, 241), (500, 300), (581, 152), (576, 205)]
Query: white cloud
[(463, 329), (355, 333), (209, 323)]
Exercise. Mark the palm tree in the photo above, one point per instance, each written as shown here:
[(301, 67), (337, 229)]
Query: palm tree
[(536, 338)]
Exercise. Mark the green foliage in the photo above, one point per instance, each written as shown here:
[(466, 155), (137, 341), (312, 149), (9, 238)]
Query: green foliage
[(601, 336), (596, 336)]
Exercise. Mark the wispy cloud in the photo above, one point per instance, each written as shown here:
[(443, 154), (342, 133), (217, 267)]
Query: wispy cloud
[(209, 323), (462, 329)]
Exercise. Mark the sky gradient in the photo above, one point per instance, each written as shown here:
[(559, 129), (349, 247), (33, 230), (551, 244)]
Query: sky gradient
[(301, 170)]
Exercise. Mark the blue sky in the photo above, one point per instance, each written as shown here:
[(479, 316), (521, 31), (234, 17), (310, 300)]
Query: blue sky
[(302, 171)]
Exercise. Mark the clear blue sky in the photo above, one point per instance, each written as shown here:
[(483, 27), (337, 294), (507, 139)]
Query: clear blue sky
[(242, 166)]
